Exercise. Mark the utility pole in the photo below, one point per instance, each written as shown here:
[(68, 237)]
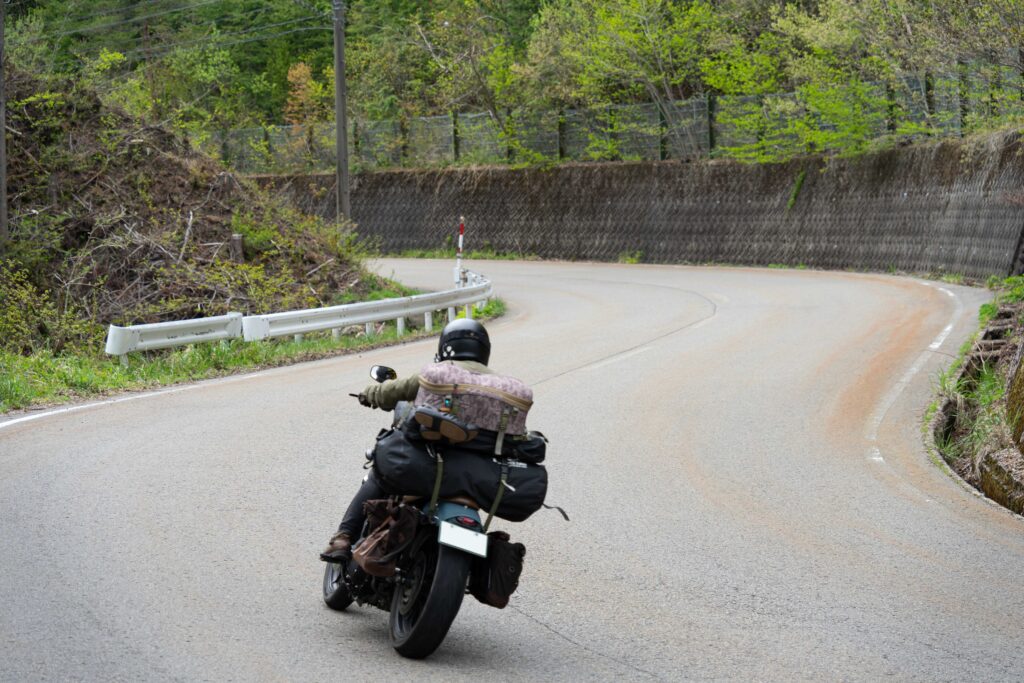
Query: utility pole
[(4, 233), (343, 208)]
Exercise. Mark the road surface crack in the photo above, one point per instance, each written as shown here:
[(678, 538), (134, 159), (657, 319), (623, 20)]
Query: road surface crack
[(580, 645)]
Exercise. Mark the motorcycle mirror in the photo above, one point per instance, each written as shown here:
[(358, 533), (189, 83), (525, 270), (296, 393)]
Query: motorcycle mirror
[(381, 373)]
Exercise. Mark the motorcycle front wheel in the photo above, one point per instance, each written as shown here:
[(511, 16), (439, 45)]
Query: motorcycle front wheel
[(425, 605), (336, 592)]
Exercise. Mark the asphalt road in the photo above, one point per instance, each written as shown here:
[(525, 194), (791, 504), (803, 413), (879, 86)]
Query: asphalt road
[(740, 452)]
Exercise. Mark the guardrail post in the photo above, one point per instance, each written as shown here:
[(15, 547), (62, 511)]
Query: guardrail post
[(451, 313), (124, 360), (428, 321), (368, 329), (336, 334), (469, 311), (298, 338), (401, 326)]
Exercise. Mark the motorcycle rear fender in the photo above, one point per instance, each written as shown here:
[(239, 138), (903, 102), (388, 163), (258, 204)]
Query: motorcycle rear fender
[(448, 511), (459, 527)]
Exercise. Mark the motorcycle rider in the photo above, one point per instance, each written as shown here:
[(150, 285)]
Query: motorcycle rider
[(463, 341)]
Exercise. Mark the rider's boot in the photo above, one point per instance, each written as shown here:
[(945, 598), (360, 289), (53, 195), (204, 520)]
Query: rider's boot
[(339, 548)]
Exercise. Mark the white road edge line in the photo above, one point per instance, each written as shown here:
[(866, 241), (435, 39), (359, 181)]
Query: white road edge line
[(875, 422), (159, 392), (122, 399)]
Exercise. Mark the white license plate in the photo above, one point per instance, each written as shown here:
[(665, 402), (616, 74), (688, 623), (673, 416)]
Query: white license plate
[(462, 538)]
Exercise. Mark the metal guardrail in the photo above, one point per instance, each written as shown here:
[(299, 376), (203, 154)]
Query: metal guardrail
[(123, 340), (256, 327)]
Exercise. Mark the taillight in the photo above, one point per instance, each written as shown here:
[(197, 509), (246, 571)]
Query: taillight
[(466, 521)]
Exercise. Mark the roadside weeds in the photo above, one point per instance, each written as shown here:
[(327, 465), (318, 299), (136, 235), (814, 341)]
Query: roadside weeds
[(973, 428), (44, 379)]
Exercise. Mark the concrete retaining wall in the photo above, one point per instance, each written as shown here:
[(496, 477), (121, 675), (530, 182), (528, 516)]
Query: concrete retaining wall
[(948, 207)]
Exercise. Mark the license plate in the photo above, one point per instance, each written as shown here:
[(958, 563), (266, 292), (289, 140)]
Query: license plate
[(455, 536)]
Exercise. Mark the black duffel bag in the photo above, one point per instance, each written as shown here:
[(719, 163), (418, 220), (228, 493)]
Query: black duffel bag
[(404, 466)]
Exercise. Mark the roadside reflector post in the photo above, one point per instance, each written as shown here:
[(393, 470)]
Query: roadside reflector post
[(458, 253)]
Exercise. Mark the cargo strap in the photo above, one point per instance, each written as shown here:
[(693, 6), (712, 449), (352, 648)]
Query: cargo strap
[(503, 484), (464, 389), (499, 442), (437, 478), (555, 507)]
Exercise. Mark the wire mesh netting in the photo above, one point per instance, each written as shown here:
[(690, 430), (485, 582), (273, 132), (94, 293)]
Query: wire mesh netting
[(817, 118)]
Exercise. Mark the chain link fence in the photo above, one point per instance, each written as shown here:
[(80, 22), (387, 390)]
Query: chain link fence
[(845, 118)]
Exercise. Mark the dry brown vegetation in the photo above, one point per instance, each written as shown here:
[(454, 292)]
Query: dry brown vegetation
[(113, 221)]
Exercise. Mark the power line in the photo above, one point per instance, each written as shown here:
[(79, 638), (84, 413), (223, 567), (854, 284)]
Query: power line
[(136, 41), (212, 39), (87, 29), (275, 35), (115, 10), (168, 49)]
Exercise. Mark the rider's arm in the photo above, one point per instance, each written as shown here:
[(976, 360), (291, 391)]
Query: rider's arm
[(386, 395)]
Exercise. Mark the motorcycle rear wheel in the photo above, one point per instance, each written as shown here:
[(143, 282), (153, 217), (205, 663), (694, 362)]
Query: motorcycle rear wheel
[(423, 611), (336, 593)]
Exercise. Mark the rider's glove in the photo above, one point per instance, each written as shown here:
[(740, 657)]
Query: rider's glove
[(370, 395)]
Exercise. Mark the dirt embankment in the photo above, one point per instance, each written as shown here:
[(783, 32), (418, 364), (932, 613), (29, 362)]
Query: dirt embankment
[(979, 426), (117, 221)]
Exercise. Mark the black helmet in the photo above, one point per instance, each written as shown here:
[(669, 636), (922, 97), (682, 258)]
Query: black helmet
[(464, 339)]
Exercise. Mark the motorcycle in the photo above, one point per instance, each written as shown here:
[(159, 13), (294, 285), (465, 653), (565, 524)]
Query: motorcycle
[(431, 572)]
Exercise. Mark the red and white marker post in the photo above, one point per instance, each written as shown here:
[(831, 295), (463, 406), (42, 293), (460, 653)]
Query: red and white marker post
[(458, 276), (458, 253)]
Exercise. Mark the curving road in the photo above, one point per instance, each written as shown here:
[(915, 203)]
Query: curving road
[(739, 449)]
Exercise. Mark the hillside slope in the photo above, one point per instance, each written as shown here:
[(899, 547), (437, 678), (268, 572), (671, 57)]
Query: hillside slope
[(113, 221)]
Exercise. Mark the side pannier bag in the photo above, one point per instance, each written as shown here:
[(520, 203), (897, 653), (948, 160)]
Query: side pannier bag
[(495, 402), (494, 578)]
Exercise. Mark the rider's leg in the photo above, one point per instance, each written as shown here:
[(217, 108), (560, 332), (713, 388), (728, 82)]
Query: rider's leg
[(371, 489), (339, 548)]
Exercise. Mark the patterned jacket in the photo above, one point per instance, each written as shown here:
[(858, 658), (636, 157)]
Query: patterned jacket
[(386, 395)]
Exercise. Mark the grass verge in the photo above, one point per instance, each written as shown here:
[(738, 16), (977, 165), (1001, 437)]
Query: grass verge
[(978, 422), (44, 378), (485, 254)]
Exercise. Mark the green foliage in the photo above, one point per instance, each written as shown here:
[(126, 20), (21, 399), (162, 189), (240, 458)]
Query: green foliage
[(801, 176), (1009, 290), (46, 377), (258, 236), (486, 254), (631, 257), (834, 76), (32, 320), (981, 419)]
